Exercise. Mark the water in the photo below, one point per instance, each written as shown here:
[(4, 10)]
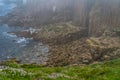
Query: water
[(6, 7), (11, 46)]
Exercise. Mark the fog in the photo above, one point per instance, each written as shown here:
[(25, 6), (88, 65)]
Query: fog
[(59, 39)]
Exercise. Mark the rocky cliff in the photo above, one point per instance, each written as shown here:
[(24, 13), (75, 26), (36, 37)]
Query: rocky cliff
[(103, 16), (96, 16), (40, 12)]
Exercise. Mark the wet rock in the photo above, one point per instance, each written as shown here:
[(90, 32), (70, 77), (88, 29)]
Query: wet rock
[(34, 55)]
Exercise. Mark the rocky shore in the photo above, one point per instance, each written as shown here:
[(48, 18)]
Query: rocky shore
[(66, 43), (70, 45), (35, 55)]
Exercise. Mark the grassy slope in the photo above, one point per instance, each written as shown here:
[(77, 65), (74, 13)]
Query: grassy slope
[(102, 71)]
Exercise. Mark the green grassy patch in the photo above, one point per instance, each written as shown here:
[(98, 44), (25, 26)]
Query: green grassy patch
[(101, 71)]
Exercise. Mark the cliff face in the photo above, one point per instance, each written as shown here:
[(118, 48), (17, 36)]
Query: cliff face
[(104, 15), (48, 11), (82, 9), (95, 15)]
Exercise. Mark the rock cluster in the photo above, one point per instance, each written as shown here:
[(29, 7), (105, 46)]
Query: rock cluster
[(84, 51)]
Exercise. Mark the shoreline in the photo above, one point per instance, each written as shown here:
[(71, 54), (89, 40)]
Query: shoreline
[(66, 40)]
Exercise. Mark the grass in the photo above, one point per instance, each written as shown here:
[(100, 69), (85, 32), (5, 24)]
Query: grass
[(100, 71)]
